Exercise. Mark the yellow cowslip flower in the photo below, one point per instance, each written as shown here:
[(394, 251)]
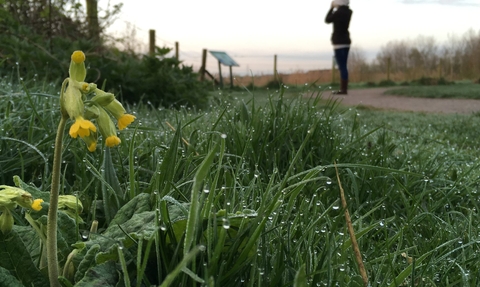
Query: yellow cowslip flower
[(77, 69), (112, 141), (107, 128), (125, 120), (81, 127), (37, 204), (118, 111)]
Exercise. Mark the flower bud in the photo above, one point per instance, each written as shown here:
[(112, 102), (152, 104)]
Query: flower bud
[(71, 205), (92, 112), (6, 221), (70, 202), (72, 101), (102, 98), (107, 129), (11, 196), (77, 69)]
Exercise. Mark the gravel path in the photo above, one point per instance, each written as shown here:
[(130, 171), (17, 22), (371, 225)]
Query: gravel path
[(375, 98)]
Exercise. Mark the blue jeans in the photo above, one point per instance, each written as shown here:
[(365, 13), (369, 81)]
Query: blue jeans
[(341, 56)]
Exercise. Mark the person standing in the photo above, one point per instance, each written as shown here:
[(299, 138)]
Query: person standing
[(340, 15)]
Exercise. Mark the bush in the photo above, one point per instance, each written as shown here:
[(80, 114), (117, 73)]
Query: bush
[(386, 83), (426, 81), (157, 80)]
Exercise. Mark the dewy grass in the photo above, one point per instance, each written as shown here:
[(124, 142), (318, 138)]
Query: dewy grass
[(252, 199)]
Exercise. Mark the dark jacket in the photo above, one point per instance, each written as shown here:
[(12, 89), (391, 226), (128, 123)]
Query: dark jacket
[(341, 21)]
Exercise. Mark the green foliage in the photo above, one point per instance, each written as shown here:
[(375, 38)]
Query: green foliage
[(386, 83), (157, 80), (426, 81)]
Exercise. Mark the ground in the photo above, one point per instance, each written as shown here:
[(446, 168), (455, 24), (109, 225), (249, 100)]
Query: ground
[(376, 99)]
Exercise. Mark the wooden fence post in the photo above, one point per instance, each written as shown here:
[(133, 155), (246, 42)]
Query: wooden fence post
[(177, 51), (203, 68), (275, 75), (151, 50), (440, 68), (92, 19), (389, 60), (220, 74)]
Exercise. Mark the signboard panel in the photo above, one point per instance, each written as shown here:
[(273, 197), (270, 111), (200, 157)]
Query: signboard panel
[(223, 58)]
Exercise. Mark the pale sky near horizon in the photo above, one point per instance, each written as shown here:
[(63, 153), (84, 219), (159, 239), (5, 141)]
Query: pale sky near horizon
[(252, 31)]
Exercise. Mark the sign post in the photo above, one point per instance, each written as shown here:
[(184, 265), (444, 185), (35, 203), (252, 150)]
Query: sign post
[(226, 60)]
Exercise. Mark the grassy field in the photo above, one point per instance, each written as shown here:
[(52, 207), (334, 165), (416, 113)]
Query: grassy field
[(246, 194)]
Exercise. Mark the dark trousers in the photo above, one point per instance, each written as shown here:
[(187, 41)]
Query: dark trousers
[(341, 56)]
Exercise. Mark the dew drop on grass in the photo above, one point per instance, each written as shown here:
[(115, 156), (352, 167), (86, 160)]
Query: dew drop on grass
[(226, 223), (163, 227)]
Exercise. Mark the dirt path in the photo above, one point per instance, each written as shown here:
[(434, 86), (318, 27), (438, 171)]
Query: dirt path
[(374, 98)]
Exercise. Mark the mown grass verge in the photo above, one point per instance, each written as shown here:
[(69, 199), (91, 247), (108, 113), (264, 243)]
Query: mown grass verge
[(455, 91)]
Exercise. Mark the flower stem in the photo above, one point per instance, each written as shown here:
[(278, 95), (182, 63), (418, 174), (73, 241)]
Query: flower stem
[(52, 258)]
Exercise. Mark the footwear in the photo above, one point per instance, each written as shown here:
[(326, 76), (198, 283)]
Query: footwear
[(343, 88)]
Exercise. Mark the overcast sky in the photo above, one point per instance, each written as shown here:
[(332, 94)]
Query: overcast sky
[(252, 31)]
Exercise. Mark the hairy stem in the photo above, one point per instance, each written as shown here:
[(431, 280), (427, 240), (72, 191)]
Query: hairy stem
[(52, 258)]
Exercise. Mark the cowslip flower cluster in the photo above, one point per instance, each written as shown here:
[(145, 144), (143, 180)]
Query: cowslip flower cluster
[(10, 198), (84, 102)]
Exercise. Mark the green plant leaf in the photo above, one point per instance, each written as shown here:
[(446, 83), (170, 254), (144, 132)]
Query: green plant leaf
[(102, 275), (66, 234), (300, 277), (8, 280), (16, 259), (138, 204), (112, 191), (87, 262), (194, 212)]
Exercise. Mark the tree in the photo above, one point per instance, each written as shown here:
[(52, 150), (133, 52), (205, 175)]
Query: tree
[(92, 19)]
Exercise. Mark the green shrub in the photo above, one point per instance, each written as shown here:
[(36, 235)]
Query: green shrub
[(426, 81), (386, 83), (157, 80)]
